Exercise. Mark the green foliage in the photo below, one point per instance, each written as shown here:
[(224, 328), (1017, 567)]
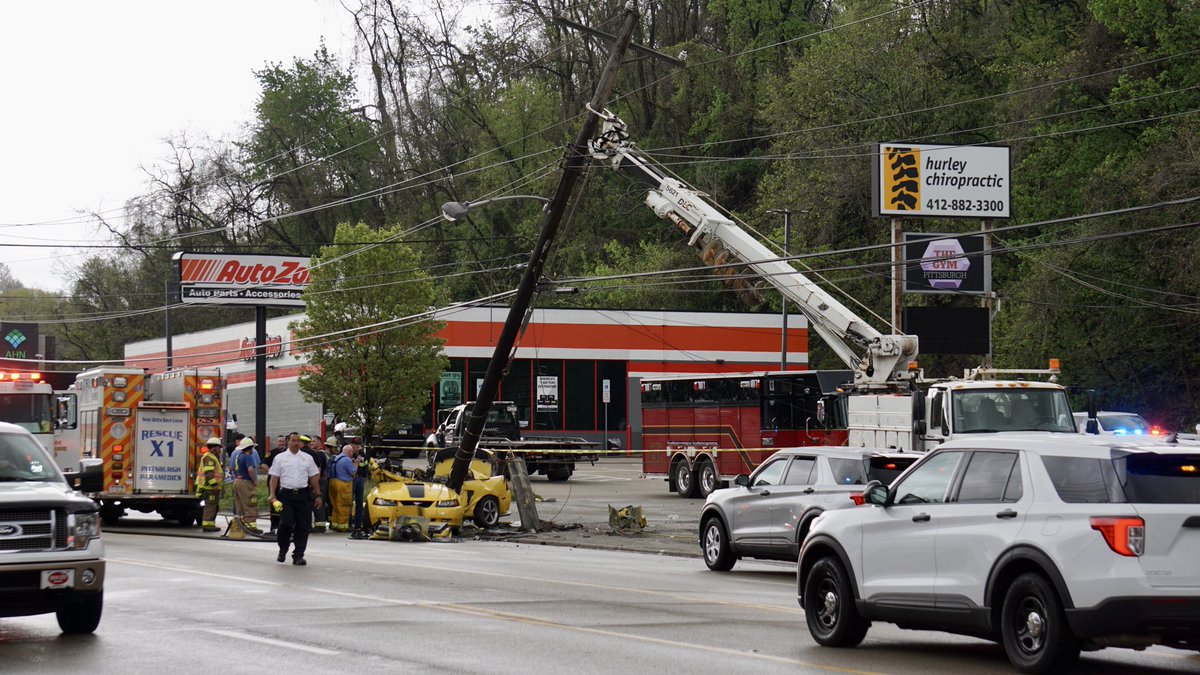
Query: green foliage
[(374, 357)]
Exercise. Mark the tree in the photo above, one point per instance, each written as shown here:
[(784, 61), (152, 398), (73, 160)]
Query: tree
[(373, 356)]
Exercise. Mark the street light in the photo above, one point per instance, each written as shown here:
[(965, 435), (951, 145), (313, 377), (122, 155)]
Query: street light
[(453, 211)]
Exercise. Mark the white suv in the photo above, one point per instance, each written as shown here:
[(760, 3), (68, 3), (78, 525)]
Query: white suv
[(1048, 546)]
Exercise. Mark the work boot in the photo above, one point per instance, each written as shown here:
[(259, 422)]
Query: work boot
[(281, 558), (210, 528), (298, 560)]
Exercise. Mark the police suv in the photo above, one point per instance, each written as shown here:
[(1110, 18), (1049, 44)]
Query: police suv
[(1048, 546), (51, 556)]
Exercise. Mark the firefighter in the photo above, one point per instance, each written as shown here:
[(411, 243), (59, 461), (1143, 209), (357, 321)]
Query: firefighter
[(209, 479)]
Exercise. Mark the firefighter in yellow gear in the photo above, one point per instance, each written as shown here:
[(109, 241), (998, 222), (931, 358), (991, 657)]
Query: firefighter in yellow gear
[(209, 479)]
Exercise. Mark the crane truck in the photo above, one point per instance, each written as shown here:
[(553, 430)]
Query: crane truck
[(889, 404)]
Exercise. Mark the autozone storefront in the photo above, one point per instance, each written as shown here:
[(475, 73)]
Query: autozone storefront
[(557, 379)]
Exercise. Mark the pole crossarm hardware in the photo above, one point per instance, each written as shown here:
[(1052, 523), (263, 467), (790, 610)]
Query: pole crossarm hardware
[(453, 211), (576, 159)]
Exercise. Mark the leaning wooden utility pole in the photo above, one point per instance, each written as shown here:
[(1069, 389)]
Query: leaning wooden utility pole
[(575, 161)]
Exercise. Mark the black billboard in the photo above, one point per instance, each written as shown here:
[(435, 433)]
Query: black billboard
[(949, 330), (946, 263)]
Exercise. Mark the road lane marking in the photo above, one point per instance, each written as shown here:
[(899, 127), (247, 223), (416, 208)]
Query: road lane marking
[(269, 641), (486, 614)]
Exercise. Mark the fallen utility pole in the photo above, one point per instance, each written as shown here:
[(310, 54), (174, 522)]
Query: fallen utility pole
[(576, 160)]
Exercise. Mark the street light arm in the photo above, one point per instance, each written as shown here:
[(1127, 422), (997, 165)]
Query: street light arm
[(455, 210)]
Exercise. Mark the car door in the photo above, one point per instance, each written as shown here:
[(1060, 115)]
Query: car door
[(899, 540), (983, 518), (789, 502), (750, 511)]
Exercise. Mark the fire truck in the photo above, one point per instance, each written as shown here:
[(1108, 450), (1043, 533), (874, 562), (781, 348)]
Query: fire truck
[(147, 430), (889, 403), (27, 401)]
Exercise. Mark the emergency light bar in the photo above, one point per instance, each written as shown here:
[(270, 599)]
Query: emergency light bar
[(18, 376)]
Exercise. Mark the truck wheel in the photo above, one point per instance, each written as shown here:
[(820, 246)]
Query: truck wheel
[(558, 474), (1033, 627), (111, 516), (81, 615), (487, 512), (829, 608), (685, 480), (706, 481)]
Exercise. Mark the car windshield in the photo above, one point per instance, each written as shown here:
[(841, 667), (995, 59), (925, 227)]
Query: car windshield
[(1124, 423), (1152, 478), (1012, 409), (32, 412), (22, 459)]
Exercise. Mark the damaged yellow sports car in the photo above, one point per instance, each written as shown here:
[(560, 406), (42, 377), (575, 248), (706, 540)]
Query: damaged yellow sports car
[(405, 498)]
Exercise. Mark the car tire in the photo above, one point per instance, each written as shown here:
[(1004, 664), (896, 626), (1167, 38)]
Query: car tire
[(1034, 629), (81, 615), (706, 479), (684, 479), (833, 620), (487, 512), (714, 543)]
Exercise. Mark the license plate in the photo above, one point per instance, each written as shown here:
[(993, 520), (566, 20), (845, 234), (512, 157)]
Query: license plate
[(116, 489), (58, 579)]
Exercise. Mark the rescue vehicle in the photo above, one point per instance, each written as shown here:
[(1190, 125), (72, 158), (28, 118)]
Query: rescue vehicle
[(148, 430)]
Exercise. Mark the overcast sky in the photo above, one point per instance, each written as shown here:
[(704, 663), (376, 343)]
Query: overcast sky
[(91, 89)]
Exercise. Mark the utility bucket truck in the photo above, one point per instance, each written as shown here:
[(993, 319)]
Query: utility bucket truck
[(886, 407)]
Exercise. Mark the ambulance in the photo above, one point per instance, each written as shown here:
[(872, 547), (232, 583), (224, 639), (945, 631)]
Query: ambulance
[(27, 401), (148, 430)]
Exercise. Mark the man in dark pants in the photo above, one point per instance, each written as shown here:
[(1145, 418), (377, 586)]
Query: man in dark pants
[(359, 527), (294, 485)]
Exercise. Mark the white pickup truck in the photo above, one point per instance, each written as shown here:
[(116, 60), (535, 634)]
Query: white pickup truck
[(51, 555)]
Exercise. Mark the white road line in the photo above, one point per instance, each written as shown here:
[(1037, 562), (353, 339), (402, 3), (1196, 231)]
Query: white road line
[(268, 641)]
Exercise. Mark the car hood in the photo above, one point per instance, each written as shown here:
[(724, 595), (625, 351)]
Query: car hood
[(415, 491), (43, 495)]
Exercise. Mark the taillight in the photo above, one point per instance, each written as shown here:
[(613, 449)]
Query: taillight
[(1124, 535), (859, 499)]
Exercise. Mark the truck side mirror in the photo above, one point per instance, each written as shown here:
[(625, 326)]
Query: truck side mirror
[(1092, 426), (90, 477)]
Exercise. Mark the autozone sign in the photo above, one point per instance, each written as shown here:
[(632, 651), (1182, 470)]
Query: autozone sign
[(232, 279)]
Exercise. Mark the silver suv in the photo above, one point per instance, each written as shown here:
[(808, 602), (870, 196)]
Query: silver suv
[(767, 514), (1047, 546)]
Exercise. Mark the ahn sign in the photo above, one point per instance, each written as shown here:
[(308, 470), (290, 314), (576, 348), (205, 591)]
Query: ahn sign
[(230, 279)]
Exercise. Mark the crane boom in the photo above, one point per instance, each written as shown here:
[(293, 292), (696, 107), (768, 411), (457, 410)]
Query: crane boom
[(877, 360)]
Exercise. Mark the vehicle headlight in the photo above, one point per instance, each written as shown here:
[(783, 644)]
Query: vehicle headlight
[(447, 503), (379, 501), (84, 527)]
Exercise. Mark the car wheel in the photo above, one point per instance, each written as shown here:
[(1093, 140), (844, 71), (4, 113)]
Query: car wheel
[(829, 608), (685, 480), (1033, 627), (487, 512), (707, 479), (558, 474), (82, 615), (714, 541)]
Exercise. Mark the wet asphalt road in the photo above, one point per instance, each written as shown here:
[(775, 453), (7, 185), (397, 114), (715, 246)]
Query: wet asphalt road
[(189, 605)]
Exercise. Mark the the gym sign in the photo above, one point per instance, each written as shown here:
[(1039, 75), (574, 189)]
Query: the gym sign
[(231, 279), (946, 263), (947, 181)]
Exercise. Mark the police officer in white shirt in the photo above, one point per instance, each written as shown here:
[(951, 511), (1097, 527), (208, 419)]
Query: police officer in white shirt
[(294, 482)]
